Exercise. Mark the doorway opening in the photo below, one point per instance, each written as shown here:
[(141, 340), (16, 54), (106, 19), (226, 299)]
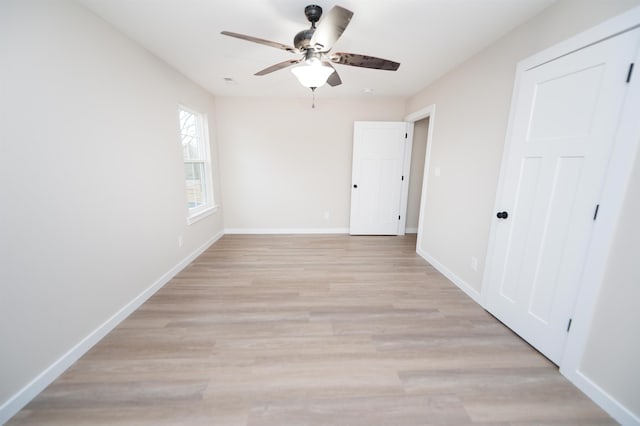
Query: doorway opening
[(427, 115), (418, 153)]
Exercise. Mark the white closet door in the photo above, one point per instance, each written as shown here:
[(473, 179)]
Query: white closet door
[(563, 128), (376, 187)]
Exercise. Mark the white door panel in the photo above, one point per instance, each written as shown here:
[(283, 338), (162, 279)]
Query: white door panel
[(563, 127), (378, 156)]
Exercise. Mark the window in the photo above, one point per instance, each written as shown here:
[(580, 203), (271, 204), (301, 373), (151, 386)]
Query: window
[(197, 164)]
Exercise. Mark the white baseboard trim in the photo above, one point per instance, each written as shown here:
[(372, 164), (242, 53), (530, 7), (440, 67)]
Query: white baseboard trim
[(411, 231), (286, 231), (462, 284), (15, 403), (598, 395)]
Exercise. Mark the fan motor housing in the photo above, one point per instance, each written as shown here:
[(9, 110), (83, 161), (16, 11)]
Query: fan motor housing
[(302, 40)]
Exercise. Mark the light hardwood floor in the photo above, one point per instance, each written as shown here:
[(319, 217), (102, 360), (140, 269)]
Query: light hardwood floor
[(311, 330)]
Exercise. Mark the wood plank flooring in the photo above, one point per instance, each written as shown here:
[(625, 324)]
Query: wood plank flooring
[(311, 330)]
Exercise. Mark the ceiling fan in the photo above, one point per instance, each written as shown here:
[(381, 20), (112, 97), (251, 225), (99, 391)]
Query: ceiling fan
[(314, 44)]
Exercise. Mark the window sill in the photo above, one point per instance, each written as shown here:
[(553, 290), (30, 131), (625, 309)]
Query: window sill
[(201, 215)]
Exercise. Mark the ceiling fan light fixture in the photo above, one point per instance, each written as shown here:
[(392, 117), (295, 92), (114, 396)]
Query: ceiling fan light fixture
[(312, 75)]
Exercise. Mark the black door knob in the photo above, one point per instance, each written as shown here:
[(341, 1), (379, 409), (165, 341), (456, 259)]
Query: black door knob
[(355, 186), (502, 215)]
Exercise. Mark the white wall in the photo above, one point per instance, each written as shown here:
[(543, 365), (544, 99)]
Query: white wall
[(91, 180), (472, 104), (285, 164)]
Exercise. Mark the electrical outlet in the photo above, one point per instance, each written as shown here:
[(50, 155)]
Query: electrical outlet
[(474, 263), (437, 171), (326, 215)]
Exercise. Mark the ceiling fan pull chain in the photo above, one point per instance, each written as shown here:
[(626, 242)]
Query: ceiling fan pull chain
[(313, 102)]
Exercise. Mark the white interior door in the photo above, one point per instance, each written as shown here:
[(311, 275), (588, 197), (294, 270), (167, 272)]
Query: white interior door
[(562, 130), (376, 183)]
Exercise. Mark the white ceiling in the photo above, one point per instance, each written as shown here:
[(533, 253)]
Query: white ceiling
[(428, 38)]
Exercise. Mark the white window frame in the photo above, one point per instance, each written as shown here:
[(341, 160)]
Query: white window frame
[(209, 207)]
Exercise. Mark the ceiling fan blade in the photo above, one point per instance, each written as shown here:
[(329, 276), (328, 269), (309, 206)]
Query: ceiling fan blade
[(278, 66), (261, 41), (334, 79), (331, 28), (363, 61)]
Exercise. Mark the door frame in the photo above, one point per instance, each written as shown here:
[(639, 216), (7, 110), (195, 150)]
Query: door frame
[(406, 173), (625, 148), (421, 114)]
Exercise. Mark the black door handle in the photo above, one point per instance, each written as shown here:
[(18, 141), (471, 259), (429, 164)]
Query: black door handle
[(502, 215), (355, 186)]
